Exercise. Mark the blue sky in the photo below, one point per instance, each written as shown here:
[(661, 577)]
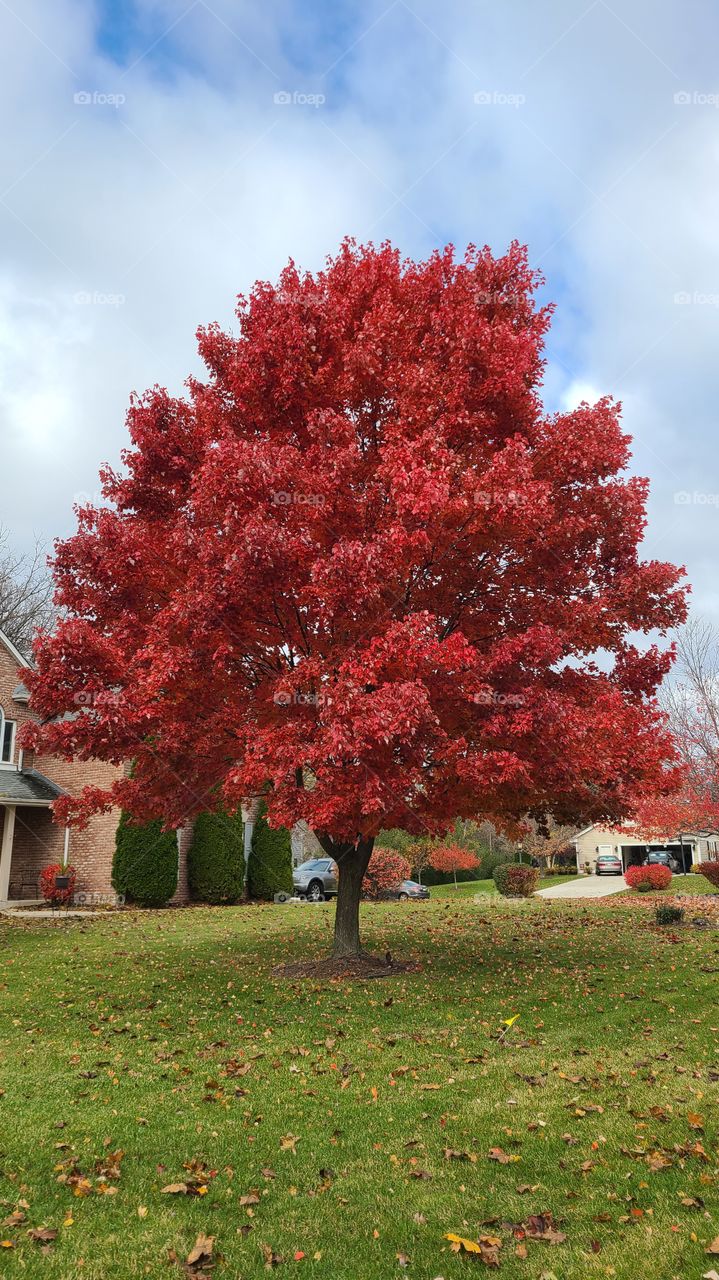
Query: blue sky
[(150, 173)]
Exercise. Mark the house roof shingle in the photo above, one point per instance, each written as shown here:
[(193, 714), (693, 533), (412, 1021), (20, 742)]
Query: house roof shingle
[(28, 787)]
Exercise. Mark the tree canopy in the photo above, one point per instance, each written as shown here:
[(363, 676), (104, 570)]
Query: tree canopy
[(358, 569)]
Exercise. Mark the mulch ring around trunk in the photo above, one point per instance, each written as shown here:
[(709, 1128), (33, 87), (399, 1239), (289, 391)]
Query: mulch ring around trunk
[(334, 967)]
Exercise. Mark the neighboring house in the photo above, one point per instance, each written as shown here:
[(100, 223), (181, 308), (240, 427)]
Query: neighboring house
[(29, 782), (305, 844), (633, 846)]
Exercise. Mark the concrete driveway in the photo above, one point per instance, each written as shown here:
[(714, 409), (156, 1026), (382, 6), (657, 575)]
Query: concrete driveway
[(585, 887)]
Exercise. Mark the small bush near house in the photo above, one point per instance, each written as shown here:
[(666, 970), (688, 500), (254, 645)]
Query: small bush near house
[(669, 915), (647, 878), (269, 869), (216, 861), (710, 871), (47, 883), (516, 880), (144, 868)]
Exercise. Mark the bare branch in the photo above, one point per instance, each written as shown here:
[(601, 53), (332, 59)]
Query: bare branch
[(26, 592)]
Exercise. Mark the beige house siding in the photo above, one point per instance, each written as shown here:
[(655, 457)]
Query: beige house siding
[(595, 840)]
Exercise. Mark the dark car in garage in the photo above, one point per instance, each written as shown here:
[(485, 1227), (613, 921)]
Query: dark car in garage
[(662, 858)]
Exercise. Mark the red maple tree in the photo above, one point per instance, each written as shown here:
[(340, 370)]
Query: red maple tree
[(452, 857), (360, 570), (689, 810)]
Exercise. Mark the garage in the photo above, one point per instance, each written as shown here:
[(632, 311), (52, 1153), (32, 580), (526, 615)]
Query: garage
[(634, 855)]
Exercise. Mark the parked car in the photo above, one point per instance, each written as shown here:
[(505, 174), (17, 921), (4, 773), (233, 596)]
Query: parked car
[(316, 879), (609, 864), (662, 858), (408, 889)]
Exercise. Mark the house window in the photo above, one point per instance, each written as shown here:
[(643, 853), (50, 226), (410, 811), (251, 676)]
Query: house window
[(7, 739)]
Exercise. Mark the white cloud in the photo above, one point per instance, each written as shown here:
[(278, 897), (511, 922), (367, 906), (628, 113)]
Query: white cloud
[(161, 209)]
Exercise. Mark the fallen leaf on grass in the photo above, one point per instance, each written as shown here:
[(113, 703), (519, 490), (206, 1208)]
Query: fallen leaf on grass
[(540, 1226), (449, 1154), (201, 1255), (486, 1248), (271, 1258), (43, 1235), (288, 1142), (195, 1184), (713, 1248), (691, 1202), (234, 1068), (501, 1156)]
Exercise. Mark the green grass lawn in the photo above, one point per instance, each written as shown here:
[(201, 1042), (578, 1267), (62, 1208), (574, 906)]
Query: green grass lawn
[(695, 885), (346, 1127), (468, 888), (691, 884)]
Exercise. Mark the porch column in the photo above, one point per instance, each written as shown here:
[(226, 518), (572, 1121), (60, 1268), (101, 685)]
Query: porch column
[(6, 851), (247, 845)]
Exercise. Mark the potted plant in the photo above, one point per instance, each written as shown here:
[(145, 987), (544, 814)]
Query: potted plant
[(57, 883)]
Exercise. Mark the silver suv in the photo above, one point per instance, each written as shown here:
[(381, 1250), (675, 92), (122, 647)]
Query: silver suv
[(316, 879)]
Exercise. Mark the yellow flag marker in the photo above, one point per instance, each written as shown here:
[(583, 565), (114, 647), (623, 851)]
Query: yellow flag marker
[(507, 1023)]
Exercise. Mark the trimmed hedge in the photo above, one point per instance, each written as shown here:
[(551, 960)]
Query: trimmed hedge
[(516, 879), (646, 878), (710, 871), (216, 860), (269, 868), (144, 867)]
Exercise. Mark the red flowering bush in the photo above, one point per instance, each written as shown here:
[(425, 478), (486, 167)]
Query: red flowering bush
[(515, 880), (48, 888), (710, 870), (654, 877), (386, 869)]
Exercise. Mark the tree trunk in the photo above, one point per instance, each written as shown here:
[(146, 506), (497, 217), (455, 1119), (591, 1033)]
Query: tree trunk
[(352, 861)]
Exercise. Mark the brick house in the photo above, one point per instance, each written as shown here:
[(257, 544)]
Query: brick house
[(29, 782)]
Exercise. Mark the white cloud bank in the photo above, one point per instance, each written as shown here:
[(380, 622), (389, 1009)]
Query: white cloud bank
[(590, 132)]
